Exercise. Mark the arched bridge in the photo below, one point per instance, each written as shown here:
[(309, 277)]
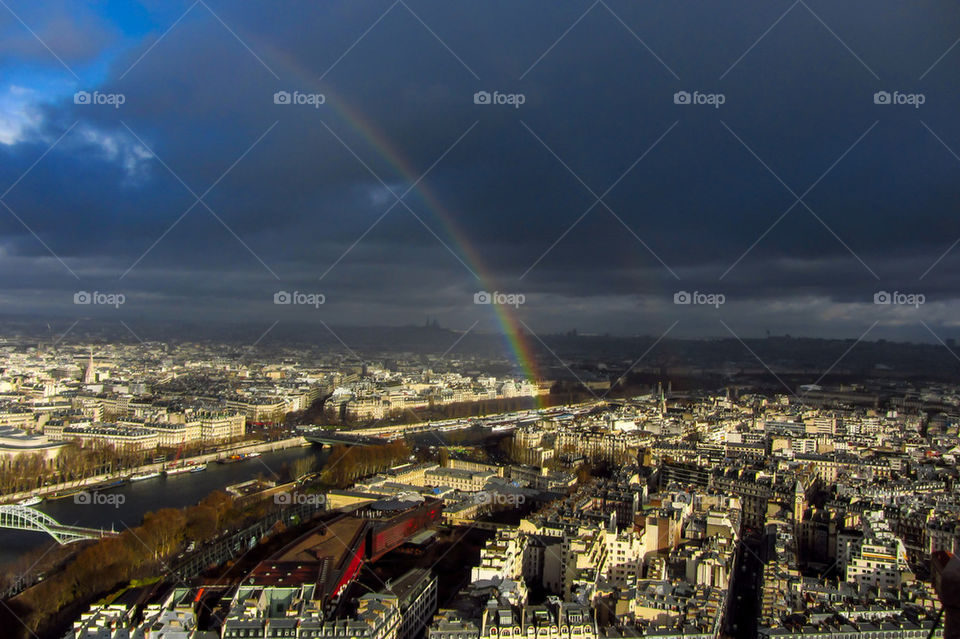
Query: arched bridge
[(19, 517), (336, 438)]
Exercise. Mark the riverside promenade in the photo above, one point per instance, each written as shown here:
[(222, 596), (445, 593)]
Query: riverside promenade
[(54, 490)]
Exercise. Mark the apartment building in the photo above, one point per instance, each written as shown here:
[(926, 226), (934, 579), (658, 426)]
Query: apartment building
[(880, 559), (501, 558)]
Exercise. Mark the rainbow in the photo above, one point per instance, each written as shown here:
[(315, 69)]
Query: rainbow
[(517, 339)]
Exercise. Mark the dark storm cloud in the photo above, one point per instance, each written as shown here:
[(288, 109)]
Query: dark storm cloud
[(71, 30), (799, 108)]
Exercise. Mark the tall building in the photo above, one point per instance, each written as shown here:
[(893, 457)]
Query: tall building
[(90, 373)]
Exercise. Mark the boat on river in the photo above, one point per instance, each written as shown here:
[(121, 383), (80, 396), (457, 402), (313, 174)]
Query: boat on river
[(143, 476)]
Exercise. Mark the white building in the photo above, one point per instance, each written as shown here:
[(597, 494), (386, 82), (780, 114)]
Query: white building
[(501, 557), (880, 559)]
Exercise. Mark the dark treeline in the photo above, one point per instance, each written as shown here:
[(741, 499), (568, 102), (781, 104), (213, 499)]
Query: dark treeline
[(27, 472), (32, 471), (561, 393), (348, 463)]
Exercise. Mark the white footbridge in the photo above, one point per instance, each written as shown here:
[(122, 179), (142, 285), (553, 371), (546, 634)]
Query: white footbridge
[(17, 517)]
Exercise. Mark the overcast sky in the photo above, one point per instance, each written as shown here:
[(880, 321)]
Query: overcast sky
[(598, 189)]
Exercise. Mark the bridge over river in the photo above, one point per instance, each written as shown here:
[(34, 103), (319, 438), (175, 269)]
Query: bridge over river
[(334, 438), (17, 517)]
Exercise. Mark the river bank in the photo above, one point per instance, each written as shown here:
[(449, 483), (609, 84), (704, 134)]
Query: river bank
[(70, 487)]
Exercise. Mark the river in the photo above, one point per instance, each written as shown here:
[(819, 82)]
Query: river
[(126, 505)]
